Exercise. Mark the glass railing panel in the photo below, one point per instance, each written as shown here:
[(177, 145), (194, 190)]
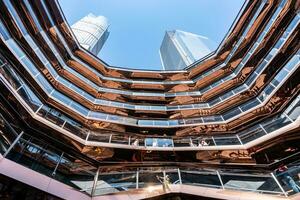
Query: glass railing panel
[(159, 123), (269, 89), (115, 182), (120, 139), (261, 66), (7, 135), (271, 54), (2, 62), (31, 99), (240, 89), (193, 121), (231, 113), (41, 56), (250, 80), (60, 97), (214, 101), (289, 178), (276, 123), (200, 178), (227, 140), (137, 141), (81, 92), (30, 66), (63, 81), (294, 113), (182, 142), (291, 64), (150, 178), (46, 85), (76, 128), (97, 115), (118, 104), (81, 109), (75, 173), (51, 115), (3, 31), (98, 137), (52, 70), (35, 155), (216, 118), (115, 118), (172, 176), (10, 75), (251, 134), (145, 122), (250, 104), (256, 183), (226, 95), (202, 142), (158, 142), (130, 121), (12, 44)]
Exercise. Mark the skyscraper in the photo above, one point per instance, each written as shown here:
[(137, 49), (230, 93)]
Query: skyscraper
[(91, 32), (74, 127), (180, 49)]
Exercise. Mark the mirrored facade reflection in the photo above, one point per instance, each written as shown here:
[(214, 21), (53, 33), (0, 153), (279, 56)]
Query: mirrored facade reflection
[(91, 32), (230, 123), (180, 49)]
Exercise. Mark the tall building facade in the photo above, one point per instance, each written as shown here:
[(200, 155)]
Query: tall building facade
[(180, 49), (72, 127), (91, 32)]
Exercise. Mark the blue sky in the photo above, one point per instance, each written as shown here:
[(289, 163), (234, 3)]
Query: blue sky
[(137, 27)]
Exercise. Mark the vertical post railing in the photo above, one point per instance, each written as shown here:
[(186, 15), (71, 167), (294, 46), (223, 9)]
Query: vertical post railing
[(213, 139), (95, 182), (238, 137), (13, 144), (279, 185), (57, 164), (220, 179), (179, 176), (164, 175), (87, 136), (137, 179)]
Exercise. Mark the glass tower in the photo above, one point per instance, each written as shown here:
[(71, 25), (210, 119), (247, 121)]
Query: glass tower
[(180, 49), (91, 32)]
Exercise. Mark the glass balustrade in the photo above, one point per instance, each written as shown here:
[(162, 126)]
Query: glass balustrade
[(233, 113), (206, 119), (39, 156), (35, 104), (64, 122), (104, 102), (214, 102)]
